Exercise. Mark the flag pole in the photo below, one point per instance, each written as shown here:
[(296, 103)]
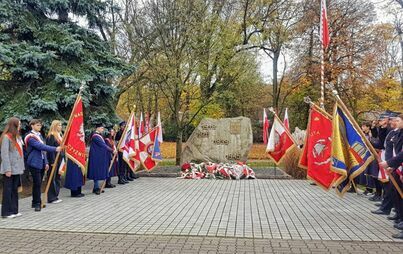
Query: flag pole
[(366, 141), (322, 77), (52, 172), (117, 148)]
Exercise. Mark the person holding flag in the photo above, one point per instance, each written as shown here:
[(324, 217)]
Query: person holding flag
[(55, 139), (99, 158), (74, 140), (109, 140), (387, 153), (37, 161), (123, 167)]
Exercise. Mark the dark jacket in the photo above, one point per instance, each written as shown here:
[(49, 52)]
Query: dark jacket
[(35, 156)]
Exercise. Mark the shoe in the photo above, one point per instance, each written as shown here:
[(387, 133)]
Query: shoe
[(18, 214), (9, 216), (375, 198), (367, 193), (398, 235), (78, 195), (378, 204), (380, 211), (109, 186), (121, 182), (313, 183), (56, 201), (398, 225), (130, 179), (393, 217), (37, 209), (136, 176)]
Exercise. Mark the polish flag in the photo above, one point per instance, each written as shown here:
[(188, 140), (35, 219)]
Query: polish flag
[(159, 126), (286, 121), (141, 125), (324, 27), (280, 141), (266, 125)]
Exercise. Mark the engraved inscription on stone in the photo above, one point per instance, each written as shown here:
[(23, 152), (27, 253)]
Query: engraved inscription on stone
[(219, 140), (207, 127), (233, 157), (235, 128), (202, 134)]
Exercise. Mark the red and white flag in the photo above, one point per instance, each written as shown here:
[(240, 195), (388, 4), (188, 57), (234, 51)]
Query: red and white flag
[(141, 125), (280, 141), (148, 143), (75, 137), (317, 151), (286, 121), (266, 125), (324, 27), (129, 144), (159, 126), (382, 175)]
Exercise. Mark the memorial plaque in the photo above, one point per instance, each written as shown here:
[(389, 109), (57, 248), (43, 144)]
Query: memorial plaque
[(219, 140)]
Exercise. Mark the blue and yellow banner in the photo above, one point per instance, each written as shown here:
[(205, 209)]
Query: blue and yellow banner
[(350, 154)]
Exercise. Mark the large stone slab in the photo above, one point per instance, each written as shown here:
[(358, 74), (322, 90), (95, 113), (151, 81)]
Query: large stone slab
[(219, 140)]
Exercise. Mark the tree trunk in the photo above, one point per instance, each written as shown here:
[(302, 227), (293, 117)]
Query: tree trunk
[(179, 135), (276, 56)]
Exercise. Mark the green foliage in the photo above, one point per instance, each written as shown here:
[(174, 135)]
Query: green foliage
[(45, 57)]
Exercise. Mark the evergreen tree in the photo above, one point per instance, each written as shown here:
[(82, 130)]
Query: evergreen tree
[(45, 56)]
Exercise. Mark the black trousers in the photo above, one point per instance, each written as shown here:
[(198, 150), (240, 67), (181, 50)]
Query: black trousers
[(54, 188), (378, 187), (122, 165), (388, 197), (9, 204), (398, 201), (37, 176)]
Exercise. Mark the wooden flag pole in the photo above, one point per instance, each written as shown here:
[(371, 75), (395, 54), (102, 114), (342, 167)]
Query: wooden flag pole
[(369, 145), (52, 172), (117, 148)]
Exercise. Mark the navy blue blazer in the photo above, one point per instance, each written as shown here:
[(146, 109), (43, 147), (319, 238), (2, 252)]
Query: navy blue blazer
[(36, 159)]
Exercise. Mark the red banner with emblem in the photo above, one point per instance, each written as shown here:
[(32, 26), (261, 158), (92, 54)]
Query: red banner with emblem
[(75, 138), (316, 154)]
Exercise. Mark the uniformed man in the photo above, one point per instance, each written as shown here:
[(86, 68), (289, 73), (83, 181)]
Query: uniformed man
[(98, 160)]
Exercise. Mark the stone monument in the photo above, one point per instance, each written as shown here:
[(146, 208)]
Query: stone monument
[(219, 140)]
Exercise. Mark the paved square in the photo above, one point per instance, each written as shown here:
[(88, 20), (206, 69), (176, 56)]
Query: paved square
[(268, 209)]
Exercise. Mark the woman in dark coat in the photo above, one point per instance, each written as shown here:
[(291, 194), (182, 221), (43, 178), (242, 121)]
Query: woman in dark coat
[(54, 138)]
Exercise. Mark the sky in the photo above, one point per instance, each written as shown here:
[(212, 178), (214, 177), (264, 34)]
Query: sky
[(266, 62)]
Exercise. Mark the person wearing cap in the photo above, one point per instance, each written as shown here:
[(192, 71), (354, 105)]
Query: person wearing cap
[(379, 134), (98, 159), (394, 166), (123, 168), (387, 153)]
